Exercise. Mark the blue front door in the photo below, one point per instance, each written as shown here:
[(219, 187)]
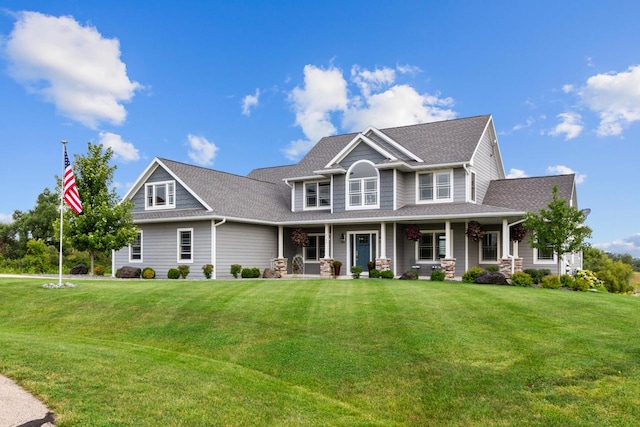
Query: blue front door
[(362, 249)]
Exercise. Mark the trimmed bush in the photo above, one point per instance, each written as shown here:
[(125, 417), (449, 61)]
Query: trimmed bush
[(184, 271), (173, 273), (386, 274), (493, 269), (148, 273), (356, 270), (250, 273), (521, 279), (437, 276), (471, 274), (99, 270), (567, 281), (551, 282), (616, 277), (235, 270), (537, 275), (375, 274), (207, 270), (587, 279)]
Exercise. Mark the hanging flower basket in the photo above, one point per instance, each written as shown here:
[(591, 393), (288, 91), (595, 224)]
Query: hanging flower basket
[(518, 233), (299, 238), (475, 231), (413, 233)]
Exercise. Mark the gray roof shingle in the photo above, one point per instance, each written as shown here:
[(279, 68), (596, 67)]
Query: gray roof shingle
[(528, 194)]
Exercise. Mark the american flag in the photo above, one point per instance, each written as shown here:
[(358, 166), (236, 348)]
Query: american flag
[(71, 196)]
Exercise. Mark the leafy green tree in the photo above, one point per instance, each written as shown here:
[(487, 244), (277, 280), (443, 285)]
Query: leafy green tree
[(559, 228), (105, 223), (39, 222)]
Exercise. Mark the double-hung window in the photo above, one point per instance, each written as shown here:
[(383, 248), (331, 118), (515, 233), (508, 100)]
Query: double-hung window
[(489, 247), (544, 256), (160, 195), (432, 246), (435, 186), (185, 245), (135, 249), (317, 195), (315, 250), (363, 184)]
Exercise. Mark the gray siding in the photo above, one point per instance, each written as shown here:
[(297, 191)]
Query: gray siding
[(184, 199), (246, 244), (484, 164), (386, 189), (299, 196), (361, 151), (459, 185)]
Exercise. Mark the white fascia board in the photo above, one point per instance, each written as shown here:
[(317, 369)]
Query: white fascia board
[(437, 166), (404, 218), (393, 143), (334, 171), (304, 178), (354, 142), (139, 182), (177, 178)]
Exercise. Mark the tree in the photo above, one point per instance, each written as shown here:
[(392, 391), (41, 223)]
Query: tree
[(104, 224), (39, 222), (559, 228)]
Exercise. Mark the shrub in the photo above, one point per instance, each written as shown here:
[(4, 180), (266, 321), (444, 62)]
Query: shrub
[(386, 274), (537, 275), (375, 274), (173, 273), (235, 270), (521, 279), (99, 270), (616, 277), (184, 271), (437, 276), (588, 279), (250, 273), (493, 269), (356, 270), (471, 274), (207, 269), (551, 282), (567, 281), (148, 273)]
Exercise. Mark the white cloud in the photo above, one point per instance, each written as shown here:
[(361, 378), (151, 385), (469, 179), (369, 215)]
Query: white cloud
[(567, 88), (121, 149), (250, 101), (516, 173), (571, 125), (616, 99), (6, 218), (71, 66), (372, 80), (201, 151), (629, 245), (564, 170), (527, 124)]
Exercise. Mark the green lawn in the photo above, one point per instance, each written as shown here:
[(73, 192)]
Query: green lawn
[(321, 352)]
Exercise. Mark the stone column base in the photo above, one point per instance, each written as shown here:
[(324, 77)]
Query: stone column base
[(383, 264), (505, 266), (326, 267), (280, 266), (448, 265)]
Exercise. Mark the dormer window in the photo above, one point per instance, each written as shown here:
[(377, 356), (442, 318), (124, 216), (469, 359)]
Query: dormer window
[(160, 195), (435, 186), (317, 195), (363, 183)]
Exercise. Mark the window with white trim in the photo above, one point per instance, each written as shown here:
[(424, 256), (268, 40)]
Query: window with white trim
[(185, 245), (317, 195), (432, 246), (544, 256), (363, 186), (315, 250), (135, 248), (435, 186), (160, 195), (489, 251)]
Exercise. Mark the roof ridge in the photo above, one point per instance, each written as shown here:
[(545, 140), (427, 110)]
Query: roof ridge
[(214, 170)]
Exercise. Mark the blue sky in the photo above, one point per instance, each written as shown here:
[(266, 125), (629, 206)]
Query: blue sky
[(243, 84)]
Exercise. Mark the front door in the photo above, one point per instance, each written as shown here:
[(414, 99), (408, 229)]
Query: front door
[(363, 249)]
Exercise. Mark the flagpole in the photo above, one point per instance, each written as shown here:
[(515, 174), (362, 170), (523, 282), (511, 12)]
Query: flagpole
[(63, 142)]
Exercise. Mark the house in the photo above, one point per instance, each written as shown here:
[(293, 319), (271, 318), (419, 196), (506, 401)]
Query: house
[(354, 195)]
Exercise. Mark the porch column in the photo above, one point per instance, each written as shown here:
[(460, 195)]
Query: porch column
[(280, 263), (327, 241), (383, 240), (505, 238), (280, 241), (447, 234), (448, 263)]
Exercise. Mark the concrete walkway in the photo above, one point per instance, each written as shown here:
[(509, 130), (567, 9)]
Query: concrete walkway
[(20, 409)]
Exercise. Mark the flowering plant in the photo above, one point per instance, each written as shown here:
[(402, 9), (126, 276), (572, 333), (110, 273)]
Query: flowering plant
[(475, 231), (518, 233), (299, 238), (413, 233)]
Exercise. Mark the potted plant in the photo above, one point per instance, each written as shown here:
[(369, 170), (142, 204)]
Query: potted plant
[(518, 233), (356, 270), (413, 233), (336, 267), (371, 265), (475, 231), (299, 238)]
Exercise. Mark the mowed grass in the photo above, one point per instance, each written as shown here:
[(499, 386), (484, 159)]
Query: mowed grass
[(322, 352)]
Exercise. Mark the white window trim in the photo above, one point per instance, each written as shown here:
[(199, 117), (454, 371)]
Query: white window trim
[(473, 191), (490, 261), (318, 237), (154, 185), (131, 260), (538, 261), (363, 206), (304, 196), (435, 188), (417, 247), (178, 246)]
